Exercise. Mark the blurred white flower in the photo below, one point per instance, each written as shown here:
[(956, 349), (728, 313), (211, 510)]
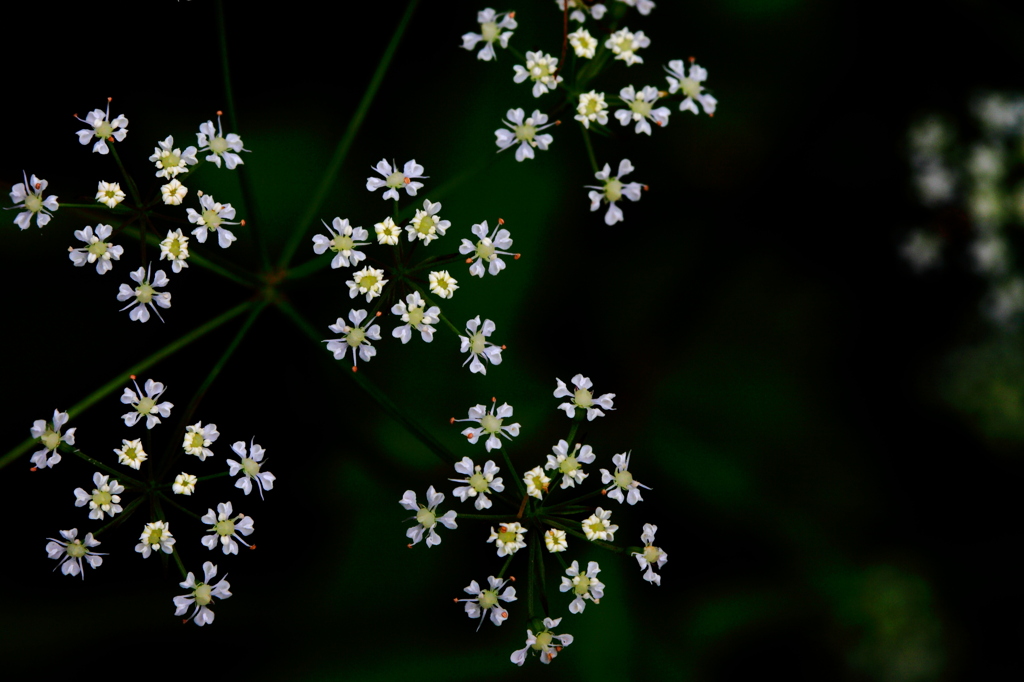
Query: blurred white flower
[(97, 249), (426, 517), (494, 27)]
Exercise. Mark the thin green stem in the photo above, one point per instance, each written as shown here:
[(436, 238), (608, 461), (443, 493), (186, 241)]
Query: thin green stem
[(512, 470), (505, 566), (590, 148), (196, 259), (530, 569), (212, 476), (180, 507), (489, 517), (177, 560), (575, 500), (600, 543), (120, 518), (136, 197), (120, 476)]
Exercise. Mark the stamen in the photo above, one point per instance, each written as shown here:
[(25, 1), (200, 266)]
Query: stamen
[(379, 313), (406, 180), (34, 469), (504, 347), (493, 399), (252, 546), (469, 436), (604, 492), (220, 113), (516, 257), (354, 368), (646, 188), (132, 377), (242, 223), (110, 99), (512, 578), (558, 123), (39, 185), (501, 221), (511, 15), (693, 59), (452, 420), (409, 545), (469, 260)]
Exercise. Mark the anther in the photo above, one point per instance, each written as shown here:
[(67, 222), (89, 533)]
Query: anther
[(501, 221), (252, 546), (493, 399), (511, 15), (39, 185), (646, 188), (199, 193), (662, 93), (242, 223), (469, 436), (658, 123), (504, 347), (512, 578), (711, 115), (406, 180), (604, 492), (34, 469), (110, 139), (469, 260), (70, 249), (183, 622), (693, 59), (558, 123), (109, 99), (220, 113), (354, 368), (504, 614), (132, 377), (456, 600), (379, 313), (409, 545), (452, 420), (516, 257)]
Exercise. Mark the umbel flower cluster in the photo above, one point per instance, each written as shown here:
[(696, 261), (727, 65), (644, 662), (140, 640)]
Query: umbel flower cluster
[(543, 514), (159, 492)]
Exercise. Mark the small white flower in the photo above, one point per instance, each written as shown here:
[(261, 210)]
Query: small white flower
[(97, 250), (426, 225), (356, 337), (218, 145), (622, 480), (690, 86), (28, 195), (651, 556), (416, 315), (50, 438), (583, 585), (508, 538), (486, 601), (569, 464), (184, 484), (170, 160), (109, 193), (249, 465), (145, 294), (369, 281), (546, 642), (613, 190), (491, 423), (213, 218), (202, 595), (540, 68), (198, 439), (640, 108), (103, 499), (224, 529), (579, 10), (343, 242), (536, 482), (442, 284), (73, 551), (476, 344), (155, 537), (173, 192), (555, 540), (494, 27), (642, 6), (487, 249), (145, 406), (131, 453), (387, 232), (581, 398), (598, 526), (426, 517), (625, 43), (592, 108), (102, 130), (175, 249), (479, 481), (524, 132), (396, 179)]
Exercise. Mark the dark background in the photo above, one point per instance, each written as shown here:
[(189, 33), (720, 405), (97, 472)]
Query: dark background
[(831, 507)]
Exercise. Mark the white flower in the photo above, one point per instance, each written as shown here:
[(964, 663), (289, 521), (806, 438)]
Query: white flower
[(198, 439), (485, 601), (642, 6), (583, 43), (131, 453), (218, 145), (202, 595), (103, 499), (145, 294), (175, 249), (109, 193), (387, 232), (569, 464), (250, 467), (173, 192), (476, 344), (396, 179), (416, 315), (491, 25), (546, 642), (640, 108), (487, 249), (690, 86), (555, 540), (426, 517), (536, 482), (213, 217), (598, 526), (50, 438), (155, 536), (355, 337), (583, 585), (171, 161), (343, 241), (540, 68), (625, 43), (73, 551), (479, 481), (579, 8), (96, 250), (426, 225), (524, 132), (651, 556), (613, 190), (582, 398), (442, 284), (369, 281), (102, 129), (224, 529), (508, 538), (622, 480), (592, 107), (145, 406), (491, 423), (29, 196), (184, 484)]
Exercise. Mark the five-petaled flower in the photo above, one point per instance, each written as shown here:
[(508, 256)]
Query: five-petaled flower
[(198, 439), (584, 585), (581, 398), (97, 249), (102, 129), (579, 8), (219, 145), (541, 69), (486, 601), (442, 284), (569, 464), (103, 499), (28, 195), (396, 179), (508, 538), (640, 108), (545, 642), (249, 465), (175, 249), (50, 438), (426, 517), (387, 232), (690, 86), (651, 556), (202, 595), (131, 453), (476, 344), (145, 294), (492, 423), (622, 480), (109, 193), (414, 312), (592, 108), (213, 218), (536, 482), (173, 192), (356, 337), (584, 44), (625, 43), (487, 249), (343, 242), (73, 551), (369, 281), (145, 406), (184, 484), (479, 481), (170, 160), (613, 190), (224, 528), (598, 526), (525, 131), (426, 225), (156, 536), (555, 540), (494, 27)]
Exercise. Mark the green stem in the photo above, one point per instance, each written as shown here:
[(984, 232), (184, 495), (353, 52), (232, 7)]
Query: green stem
[(504, 567), (574, 500), (136, 197), (530, 569), (177, 560), (123, 516), (180, 507), (600, 543), (512, 470), (212, 476), (196, 259), (120, 476), (489, 517), (590, 148)]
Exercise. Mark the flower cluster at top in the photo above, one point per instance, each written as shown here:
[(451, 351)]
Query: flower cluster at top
[(117, 493), (537, 512), (563, 78)]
